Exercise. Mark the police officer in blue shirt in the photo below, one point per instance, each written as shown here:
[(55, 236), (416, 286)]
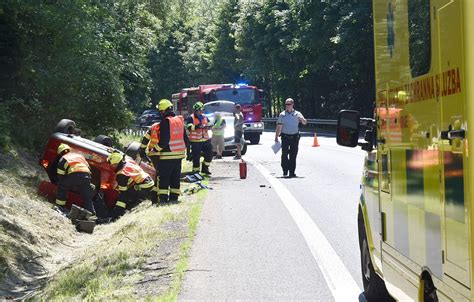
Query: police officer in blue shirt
[(288, 128)]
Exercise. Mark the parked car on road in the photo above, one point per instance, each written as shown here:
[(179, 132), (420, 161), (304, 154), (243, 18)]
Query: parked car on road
[(96, 152), (226, 109), (148, 117)]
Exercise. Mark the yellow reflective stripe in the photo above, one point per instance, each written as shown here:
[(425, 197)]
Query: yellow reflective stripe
[(142, 146), (172, 157), (175, 191), (60, 202), (206, 163), (121, 204), (199, 140), (147, 185), (152, 153), (163, 191), (122, 188), (172, 152), (196, 169), (78, 168), (60, 172), (147, 135), (130, 181), (66, 164)]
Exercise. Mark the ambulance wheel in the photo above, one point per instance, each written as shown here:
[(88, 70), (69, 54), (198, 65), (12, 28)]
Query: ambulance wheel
[(374, 286), (65, 126), (427, 288), (104, 140), (132, 150)]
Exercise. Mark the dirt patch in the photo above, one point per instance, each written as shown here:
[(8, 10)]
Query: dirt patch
[(161, 264)]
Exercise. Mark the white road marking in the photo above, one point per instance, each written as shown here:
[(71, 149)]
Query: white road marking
[(339, 280)]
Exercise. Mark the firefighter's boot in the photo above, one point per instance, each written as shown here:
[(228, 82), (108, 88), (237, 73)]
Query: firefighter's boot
[(205, 169), (154, 197), (164, 198)]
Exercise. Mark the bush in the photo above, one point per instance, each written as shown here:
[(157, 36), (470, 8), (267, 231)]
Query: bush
[(4, 128)]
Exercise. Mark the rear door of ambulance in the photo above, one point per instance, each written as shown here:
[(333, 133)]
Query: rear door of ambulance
[(453, 152)]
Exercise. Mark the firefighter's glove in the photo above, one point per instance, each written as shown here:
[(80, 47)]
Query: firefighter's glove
[(189, 156)]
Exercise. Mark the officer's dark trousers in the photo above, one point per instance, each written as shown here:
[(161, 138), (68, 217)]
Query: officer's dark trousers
[(132, 198), (170, 177), (289, 151), (79, 182), (197, 148), (155, 159)]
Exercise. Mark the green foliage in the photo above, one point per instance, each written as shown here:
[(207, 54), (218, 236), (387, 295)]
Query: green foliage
[(102, 62), (4, 128)]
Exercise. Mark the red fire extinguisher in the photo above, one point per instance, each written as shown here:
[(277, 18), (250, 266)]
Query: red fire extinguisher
[(243, 169)]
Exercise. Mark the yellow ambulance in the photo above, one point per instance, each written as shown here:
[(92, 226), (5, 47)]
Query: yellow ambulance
[(415, 210)]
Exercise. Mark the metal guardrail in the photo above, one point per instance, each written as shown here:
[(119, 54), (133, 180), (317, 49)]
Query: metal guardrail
[(310, 121), (136, 131)]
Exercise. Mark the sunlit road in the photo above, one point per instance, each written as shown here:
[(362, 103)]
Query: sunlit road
[(275, 238)]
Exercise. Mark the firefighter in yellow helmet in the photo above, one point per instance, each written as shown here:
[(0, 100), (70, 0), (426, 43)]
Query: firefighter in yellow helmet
[(198, 125), (166, 143), (73, 173), (133, 183)]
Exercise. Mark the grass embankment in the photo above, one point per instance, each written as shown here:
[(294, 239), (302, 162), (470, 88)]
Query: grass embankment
[(29, 228), (141, 256)]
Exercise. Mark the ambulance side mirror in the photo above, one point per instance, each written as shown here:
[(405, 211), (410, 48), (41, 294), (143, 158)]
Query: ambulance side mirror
[(348, 123)]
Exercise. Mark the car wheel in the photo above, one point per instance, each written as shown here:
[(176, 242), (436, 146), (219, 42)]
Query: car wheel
[(104, 140), (132, 150), (65, 126), (255, 139), (244, 148)]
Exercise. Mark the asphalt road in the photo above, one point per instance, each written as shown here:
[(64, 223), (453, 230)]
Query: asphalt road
[(273, 238)]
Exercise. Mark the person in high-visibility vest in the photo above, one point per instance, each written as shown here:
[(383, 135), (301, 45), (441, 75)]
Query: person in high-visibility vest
[(73, 173), (198, 125), (133, 183), (149, 150), (172, 145), (218, 130)]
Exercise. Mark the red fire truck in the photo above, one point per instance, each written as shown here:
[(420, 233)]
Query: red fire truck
[(249, 97)]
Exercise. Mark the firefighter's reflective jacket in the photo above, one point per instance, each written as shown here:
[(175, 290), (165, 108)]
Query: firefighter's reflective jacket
[(150, 140), (175, 147), (131, 174), (197, 128), (72, 163)]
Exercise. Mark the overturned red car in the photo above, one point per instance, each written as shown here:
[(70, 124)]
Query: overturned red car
[(96, 152)]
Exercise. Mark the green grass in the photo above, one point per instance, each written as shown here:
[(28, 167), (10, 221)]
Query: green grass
[(182, 265), (109, 270)]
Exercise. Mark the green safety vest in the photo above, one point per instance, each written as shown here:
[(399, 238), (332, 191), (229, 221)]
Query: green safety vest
[(216, 130)]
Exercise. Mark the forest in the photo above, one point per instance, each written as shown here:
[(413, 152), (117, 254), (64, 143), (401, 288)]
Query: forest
[(102, 62)]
